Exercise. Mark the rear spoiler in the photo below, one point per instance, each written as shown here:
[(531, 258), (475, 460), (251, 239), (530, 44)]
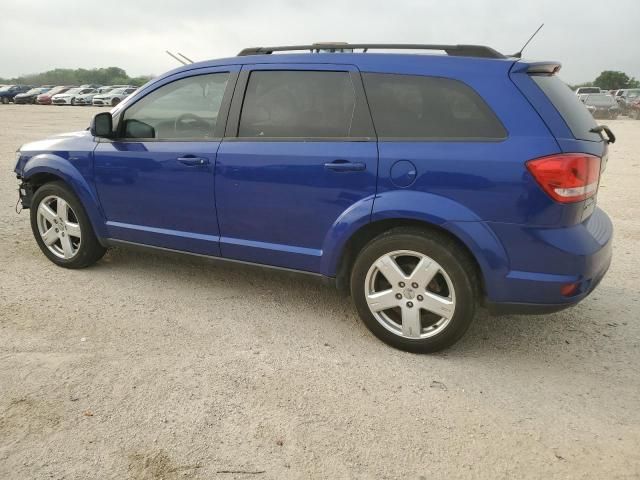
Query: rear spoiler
[(536, 68), (544, 68)]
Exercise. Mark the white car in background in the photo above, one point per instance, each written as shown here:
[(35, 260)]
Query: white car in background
[(69, 97), (113, 97), (86, 98)]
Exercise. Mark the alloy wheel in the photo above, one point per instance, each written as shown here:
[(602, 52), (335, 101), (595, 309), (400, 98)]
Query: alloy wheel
[(59, 227), (410, 294)]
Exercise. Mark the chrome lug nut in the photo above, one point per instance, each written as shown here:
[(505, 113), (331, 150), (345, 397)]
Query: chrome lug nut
[(420, 298), (414, 285), (401, 284), (409, 304), (399, 296)]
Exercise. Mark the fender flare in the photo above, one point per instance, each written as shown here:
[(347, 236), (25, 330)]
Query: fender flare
[(430, 209), (65, 171)]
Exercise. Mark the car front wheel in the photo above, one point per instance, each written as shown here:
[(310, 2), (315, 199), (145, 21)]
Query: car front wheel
[(415, 289), (62, 229)]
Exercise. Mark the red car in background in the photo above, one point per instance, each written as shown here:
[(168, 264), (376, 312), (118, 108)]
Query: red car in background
[(45, 98)]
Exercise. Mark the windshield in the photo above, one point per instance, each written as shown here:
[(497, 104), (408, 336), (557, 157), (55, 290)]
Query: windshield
[(589, 90), (117, 91), (74, 90), (35, 91), (600, 100)]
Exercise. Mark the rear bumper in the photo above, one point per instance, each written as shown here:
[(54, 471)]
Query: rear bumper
[(542, 261)]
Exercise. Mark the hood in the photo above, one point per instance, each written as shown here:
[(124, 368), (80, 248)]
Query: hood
[(63, 145)]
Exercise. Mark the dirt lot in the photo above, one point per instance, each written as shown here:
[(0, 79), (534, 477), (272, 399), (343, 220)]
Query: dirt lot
[(149, 366)]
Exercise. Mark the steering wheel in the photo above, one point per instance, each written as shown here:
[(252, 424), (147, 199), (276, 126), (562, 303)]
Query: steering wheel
[(192, 124)]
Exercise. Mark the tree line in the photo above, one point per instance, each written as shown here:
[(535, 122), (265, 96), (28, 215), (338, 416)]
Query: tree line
[(78, 76), (611, 80)]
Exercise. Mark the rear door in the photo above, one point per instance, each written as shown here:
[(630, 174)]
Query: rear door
[(299, 151)]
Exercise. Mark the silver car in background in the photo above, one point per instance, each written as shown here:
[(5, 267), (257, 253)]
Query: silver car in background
[(113, 97), (601, 105)]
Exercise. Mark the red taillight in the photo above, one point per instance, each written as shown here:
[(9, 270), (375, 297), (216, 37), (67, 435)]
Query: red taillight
[(567, 177)]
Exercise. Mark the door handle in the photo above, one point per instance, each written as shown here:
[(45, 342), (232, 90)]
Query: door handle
[(345, 166), (191, 160)]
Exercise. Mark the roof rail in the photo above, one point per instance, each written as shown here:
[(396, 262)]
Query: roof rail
[(452, 50)]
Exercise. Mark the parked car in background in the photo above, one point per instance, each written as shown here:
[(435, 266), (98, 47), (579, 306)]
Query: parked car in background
[(601, 105), (626, 98), (634, 108), (30, 96), (69, 97), (410, 181), (113, 97), (583, 90), (9, 91), (86, 98), (45, 98)]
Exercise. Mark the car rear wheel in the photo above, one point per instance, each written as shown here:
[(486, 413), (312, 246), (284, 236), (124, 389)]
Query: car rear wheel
[(73, 101), (62, 229), (5, 100), (115, 102), (415, 289)]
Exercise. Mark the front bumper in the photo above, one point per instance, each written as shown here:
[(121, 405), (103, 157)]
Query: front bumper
[(17, 100), (544, 260), (61, 101)]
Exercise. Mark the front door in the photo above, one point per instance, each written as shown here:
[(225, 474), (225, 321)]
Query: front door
[(299, 152), (155, 180)]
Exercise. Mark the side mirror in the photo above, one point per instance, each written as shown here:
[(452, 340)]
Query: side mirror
[(102, 125)]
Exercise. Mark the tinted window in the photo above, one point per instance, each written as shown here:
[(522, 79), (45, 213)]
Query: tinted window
[(575, 114), (428, 107), (186, 108), (298, 104)]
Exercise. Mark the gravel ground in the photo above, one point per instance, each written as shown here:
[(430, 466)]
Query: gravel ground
[(150, 366)]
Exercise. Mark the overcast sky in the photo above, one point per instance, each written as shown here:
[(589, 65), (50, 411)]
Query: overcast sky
[(38, 35)]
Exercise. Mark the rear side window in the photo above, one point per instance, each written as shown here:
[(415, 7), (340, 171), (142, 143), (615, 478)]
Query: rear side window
[(569, 106), (410, 106), (298, 104)]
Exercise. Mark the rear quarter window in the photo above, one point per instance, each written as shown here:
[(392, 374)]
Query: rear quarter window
[(569, 106), (421, 107)]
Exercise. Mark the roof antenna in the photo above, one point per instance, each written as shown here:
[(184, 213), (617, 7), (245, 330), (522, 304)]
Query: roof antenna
[(519, 53), (175, 58), (185, 57)]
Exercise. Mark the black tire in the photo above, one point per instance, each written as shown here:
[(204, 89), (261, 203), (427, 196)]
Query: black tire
[(115, 102), (73, 102), (452, 258), (90, 250)]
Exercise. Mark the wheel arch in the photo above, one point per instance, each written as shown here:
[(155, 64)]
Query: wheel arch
[(443, 216), (42, 169)]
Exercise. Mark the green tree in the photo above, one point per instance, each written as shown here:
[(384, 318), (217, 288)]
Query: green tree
[(79, 76), (612, 80)]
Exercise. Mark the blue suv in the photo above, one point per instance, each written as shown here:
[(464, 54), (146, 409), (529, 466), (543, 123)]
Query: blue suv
[(425, 185)]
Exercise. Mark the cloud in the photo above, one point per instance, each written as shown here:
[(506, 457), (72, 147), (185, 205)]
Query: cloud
[(37, 36)]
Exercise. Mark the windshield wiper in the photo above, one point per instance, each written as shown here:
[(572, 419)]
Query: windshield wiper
[(611, 138)]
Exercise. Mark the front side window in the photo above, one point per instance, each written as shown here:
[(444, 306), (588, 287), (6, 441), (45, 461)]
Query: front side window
[(298, 104), (412, 106), (185, 109)]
